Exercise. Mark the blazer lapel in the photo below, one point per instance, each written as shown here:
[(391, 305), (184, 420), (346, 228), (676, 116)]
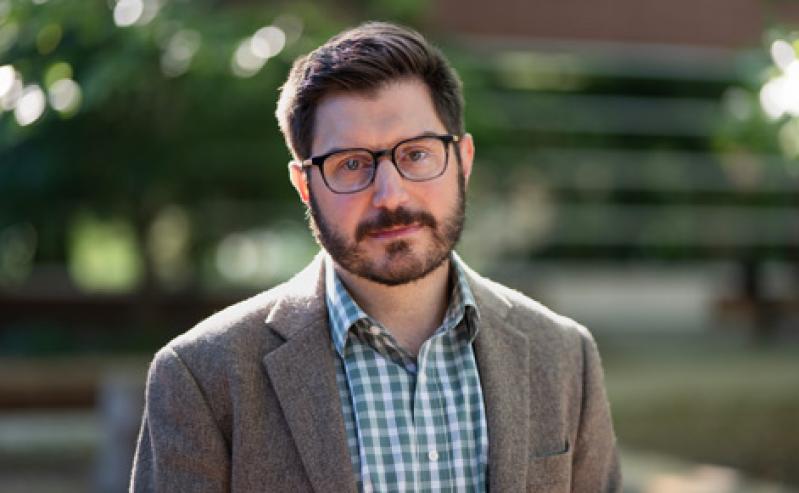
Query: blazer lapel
[(503, 360), (302, 372)]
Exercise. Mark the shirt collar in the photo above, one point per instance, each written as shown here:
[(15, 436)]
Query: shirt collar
[(344, 312), (462, 298)]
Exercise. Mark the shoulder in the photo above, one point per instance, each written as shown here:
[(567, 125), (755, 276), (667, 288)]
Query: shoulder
[(222, 356), (241, 324), (244, 332), (221, 346), (523, 306), (535, 320)]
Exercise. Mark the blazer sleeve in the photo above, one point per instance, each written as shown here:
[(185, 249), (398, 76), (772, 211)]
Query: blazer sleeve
[(595, 460), (180, 447)]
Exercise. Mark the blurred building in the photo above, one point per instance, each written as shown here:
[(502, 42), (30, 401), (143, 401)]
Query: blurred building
[(717, 23), (636, 122)]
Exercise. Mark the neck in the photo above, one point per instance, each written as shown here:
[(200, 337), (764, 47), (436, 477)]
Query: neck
[(398, 308)]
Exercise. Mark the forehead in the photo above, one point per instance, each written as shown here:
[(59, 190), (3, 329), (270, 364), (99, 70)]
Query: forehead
[(375, 119)]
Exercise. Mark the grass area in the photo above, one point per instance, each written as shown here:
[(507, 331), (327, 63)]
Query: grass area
[(709, 400)]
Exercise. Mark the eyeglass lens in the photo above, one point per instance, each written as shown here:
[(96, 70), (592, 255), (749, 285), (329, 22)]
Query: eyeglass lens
[(419, 159)]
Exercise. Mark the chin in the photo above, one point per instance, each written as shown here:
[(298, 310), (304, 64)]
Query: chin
[(401, 264)]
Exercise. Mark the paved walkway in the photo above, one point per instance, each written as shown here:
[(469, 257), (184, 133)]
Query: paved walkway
[(56, 453), (646, 472)]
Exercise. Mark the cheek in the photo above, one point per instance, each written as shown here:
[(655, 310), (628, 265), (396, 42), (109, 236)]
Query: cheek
[(442, 195), (342, 212)]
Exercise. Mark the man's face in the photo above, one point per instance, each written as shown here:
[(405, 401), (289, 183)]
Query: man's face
[(395, 231)]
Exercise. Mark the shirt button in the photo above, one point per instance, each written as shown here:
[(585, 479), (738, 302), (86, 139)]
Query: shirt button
[(374, 330), (367, 487), (432, 455), (422, 378)]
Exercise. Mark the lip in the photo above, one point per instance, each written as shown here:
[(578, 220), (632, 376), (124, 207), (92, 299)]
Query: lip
[(393, 233)]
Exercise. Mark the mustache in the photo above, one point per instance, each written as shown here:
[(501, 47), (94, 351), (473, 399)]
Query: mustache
[(389, 219)]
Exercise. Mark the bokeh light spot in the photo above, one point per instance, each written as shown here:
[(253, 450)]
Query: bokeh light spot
[(56, 72), (8, 36), (65, 96), (268, 42), (128, 12), (789, 138), (179, 52), (48, 38), (8, 101), (17, 251), (5, 10), (245, 63), (7, 77), (780, 95), (291, 25), (737, 103), (103, 255), (30, 105), (259, 257), (771, 98), (237, 257), (782, 53), (168, 243), (150, 9)]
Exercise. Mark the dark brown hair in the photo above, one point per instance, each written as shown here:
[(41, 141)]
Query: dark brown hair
[(363, 59)]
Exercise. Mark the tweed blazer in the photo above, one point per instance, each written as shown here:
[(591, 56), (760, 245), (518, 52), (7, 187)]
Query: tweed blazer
[(247, 400)]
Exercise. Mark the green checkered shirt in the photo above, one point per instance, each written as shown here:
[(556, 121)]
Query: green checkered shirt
[(413, 424)]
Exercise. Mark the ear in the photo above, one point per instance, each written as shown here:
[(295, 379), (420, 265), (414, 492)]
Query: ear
[(466, 146), (299, 180)]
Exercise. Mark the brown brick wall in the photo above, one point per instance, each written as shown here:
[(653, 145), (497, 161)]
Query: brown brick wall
[(718, 23)]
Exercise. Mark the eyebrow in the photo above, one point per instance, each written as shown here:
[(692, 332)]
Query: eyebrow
[(426, 133)]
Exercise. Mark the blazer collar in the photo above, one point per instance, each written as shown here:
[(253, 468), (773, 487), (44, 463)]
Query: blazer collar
[(300, 301), (303, 375)]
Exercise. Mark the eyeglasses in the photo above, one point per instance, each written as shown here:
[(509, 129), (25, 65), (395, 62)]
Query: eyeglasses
[(416, 159)]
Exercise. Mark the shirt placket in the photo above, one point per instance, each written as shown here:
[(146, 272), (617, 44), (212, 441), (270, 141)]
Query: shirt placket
[(430, 421)]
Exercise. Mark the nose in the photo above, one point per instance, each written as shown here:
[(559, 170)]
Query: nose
[(389, 186)]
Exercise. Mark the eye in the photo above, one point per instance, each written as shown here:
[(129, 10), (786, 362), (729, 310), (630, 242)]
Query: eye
[(348, 162), (351, 164), (417, 155)]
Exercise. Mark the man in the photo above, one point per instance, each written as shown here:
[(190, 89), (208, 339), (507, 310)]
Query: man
[(387, 364)]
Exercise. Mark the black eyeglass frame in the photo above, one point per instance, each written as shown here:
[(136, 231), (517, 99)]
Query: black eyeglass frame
[(447, 139)]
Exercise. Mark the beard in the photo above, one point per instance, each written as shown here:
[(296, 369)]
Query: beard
[(401, 264)]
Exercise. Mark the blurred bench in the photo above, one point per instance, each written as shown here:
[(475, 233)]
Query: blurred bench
[(92, 408)]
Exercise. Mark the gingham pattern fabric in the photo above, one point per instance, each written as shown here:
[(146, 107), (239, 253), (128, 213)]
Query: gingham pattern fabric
[(413, 424)]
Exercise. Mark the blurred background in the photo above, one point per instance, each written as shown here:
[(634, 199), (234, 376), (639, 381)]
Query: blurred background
[(637, 169)]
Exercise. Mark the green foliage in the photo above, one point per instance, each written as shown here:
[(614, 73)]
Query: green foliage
[(762, 113), (104, 254), (161, 116)]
